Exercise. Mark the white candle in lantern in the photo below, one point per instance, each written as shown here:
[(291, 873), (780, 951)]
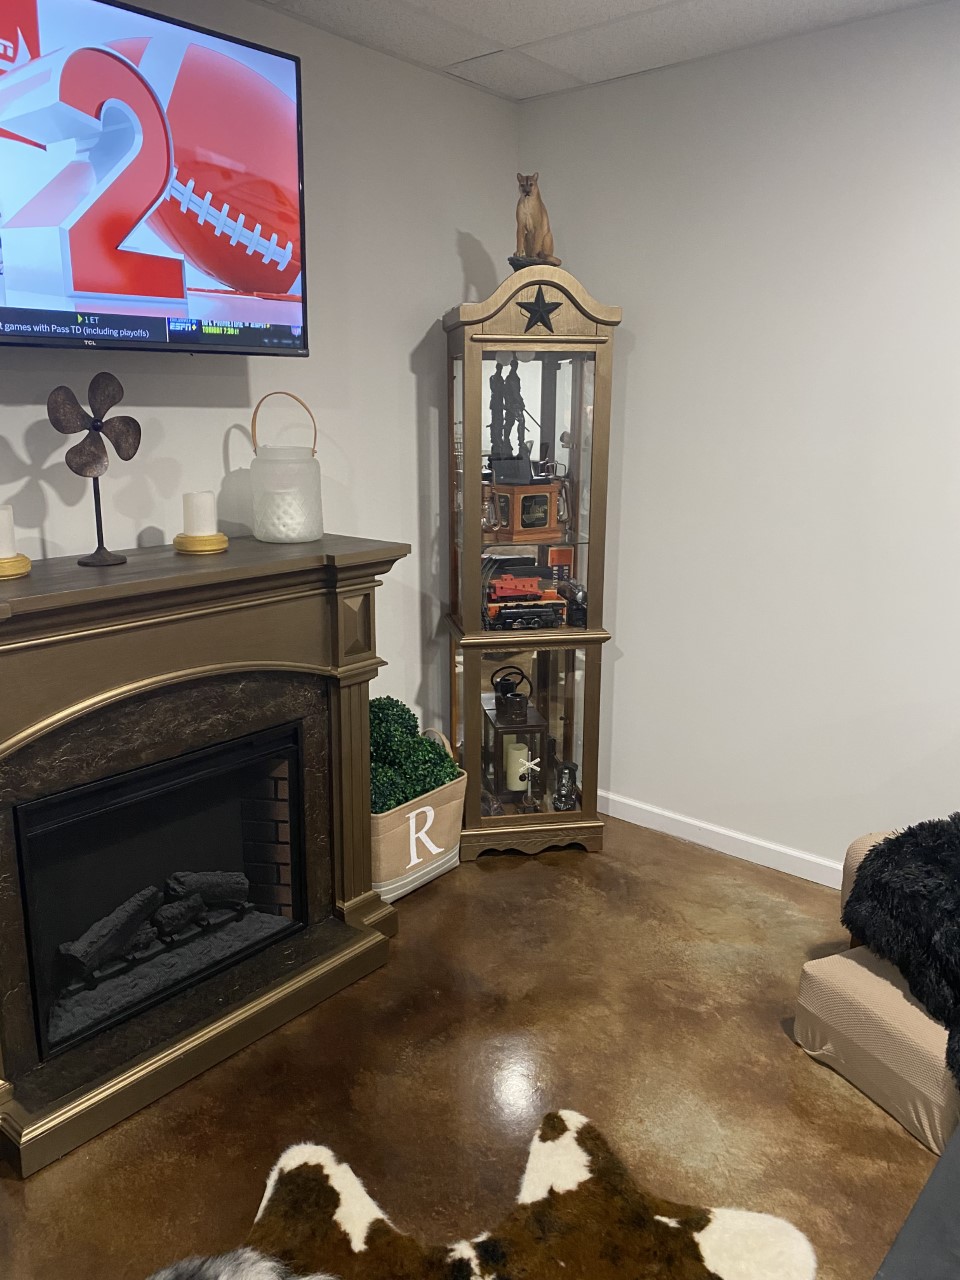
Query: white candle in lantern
[(516, 760), (8, 539), (200, 514)]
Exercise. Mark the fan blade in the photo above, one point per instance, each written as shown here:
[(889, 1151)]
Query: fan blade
[(124, 435), (65, 413), (105, 391), (89, 457)]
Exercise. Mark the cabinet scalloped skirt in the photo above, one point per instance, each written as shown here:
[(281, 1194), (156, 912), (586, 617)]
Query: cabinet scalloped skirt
[(417, 841)]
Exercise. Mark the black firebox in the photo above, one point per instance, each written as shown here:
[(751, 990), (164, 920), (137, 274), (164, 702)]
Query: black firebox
[(145, 883)]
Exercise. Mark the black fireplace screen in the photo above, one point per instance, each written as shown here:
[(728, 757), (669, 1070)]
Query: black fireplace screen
[(143, 884)]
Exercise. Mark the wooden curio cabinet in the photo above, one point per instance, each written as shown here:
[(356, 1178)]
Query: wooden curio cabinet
[(529, 415)]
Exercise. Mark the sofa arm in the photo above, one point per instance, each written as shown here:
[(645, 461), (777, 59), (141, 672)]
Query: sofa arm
[(854, 856)]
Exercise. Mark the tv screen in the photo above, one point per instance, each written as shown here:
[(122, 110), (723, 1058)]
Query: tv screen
[(151, 184)]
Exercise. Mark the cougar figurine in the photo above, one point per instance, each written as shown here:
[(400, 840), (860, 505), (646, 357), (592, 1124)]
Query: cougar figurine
[(534, 237)]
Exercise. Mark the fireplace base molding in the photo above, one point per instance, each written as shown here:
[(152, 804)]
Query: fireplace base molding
[(108, 671), (35, 1133)]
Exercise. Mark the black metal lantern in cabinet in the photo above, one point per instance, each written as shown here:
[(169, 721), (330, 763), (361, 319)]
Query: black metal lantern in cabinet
[(514, 733)]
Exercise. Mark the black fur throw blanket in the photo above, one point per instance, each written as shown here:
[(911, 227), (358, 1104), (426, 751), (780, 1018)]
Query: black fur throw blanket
[(905, 906)]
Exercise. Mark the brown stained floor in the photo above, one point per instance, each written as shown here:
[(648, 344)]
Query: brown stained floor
[(648, 987)]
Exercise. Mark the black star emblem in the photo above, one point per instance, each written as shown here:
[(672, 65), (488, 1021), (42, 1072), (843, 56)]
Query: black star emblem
[(538, 311)]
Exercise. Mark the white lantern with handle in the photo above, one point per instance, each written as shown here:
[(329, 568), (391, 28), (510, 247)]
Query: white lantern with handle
[(286, 486)]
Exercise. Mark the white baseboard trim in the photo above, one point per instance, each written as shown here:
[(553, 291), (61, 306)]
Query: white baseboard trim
[(807, 866)]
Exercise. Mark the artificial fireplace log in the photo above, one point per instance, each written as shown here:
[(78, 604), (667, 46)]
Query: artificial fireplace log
[(216, 888), (111, 936), (142, 940), (172, 917)]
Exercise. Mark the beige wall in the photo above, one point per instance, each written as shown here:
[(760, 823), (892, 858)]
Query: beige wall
[(409, 191), (782, 228)]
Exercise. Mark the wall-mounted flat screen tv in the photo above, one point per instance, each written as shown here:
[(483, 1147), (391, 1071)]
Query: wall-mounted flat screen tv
[(151, 184)]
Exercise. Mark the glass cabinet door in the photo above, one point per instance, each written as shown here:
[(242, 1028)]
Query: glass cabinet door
[(536, 448), (532, 719)]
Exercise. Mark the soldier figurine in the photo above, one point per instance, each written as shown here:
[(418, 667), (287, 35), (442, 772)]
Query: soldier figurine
[(515, 407), (498, 437)]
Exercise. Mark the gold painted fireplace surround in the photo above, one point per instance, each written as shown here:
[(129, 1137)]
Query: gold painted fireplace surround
[(104, 670)]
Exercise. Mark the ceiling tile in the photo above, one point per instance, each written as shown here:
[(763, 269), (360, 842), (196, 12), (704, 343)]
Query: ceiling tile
[(393, 26), (513, 75), (568, 42), (513, 22), (693, 29)]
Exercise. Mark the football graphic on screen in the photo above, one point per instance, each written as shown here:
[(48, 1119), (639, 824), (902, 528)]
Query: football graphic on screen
[(233, 206)]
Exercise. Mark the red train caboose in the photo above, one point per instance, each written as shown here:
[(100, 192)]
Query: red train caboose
[(514, 603)]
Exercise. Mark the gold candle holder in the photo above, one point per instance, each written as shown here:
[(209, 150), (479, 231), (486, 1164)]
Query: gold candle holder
[(200, 544), (17, 566)]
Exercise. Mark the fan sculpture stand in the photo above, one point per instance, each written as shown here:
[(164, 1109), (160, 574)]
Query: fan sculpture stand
[(89, 458), (17, 566), (101, 558), (200, 544)]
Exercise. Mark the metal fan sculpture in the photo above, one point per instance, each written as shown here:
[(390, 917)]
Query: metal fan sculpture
[(89, 458)]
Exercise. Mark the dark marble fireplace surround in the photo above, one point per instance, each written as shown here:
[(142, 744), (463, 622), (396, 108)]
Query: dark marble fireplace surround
[(106, 672)]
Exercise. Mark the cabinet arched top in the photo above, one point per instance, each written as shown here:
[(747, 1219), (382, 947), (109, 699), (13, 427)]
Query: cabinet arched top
[(478, 313)]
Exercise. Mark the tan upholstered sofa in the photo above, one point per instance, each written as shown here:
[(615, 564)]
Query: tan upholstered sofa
[(856, 1014)]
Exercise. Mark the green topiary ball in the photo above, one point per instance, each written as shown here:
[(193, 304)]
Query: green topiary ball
[(425, 767), (386, 787), (393, 727)]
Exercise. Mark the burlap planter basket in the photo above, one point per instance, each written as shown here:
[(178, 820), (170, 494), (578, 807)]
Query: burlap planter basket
[(419, 840)]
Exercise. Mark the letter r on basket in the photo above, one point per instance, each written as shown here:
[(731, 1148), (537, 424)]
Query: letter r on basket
[(416, 835)]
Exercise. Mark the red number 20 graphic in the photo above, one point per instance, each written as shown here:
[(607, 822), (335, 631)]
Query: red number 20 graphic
[(97, 201)]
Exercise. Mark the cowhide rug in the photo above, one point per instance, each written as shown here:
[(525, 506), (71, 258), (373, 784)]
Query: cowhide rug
[(579, 1216)]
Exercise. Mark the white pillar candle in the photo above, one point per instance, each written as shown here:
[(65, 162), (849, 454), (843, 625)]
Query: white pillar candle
[(8, 539), (199, 514), (516, 759)]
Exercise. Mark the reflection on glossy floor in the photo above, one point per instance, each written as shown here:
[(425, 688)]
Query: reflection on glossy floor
[(646, 986)]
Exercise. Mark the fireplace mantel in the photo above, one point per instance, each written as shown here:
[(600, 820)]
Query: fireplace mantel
[(80, 647)]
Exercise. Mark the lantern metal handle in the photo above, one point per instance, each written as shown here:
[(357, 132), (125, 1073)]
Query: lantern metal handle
[(303, 404)]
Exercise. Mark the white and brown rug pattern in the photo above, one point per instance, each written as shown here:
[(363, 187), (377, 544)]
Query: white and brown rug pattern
[(579, 1214)]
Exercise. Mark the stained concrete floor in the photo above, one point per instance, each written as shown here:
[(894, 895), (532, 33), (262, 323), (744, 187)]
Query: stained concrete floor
[(650, 987)]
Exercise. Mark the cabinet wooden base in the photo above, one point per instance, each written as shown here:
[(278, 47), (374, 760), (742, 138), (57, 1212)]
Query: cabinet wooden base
[(587, 835)]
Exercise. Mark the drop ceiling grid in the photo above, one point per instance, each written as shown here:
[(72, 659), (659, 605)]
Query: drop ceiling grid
[(520, 22), (394, 27), (687, 29), (521, 49)]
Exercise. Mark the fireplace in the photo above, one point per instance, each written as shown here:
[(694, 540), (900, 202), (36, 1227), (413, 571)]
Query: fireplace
[(184, 819), (142, 884)]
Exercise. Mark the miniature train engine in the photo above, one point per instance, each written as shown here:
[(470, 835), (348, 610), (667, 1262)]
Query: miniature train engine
[(512, 603)]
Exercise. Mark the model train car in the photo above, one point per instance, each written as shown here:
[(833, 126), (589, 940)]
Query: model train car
[(575, 596), (518, 604), (529, 616)]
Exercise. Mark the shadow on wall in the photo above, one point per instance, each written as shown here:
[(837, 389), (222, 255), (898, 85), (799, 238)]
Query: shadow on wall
[(36, 467), (428, 364), (152, 476), (480, 274), (235, 499)]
